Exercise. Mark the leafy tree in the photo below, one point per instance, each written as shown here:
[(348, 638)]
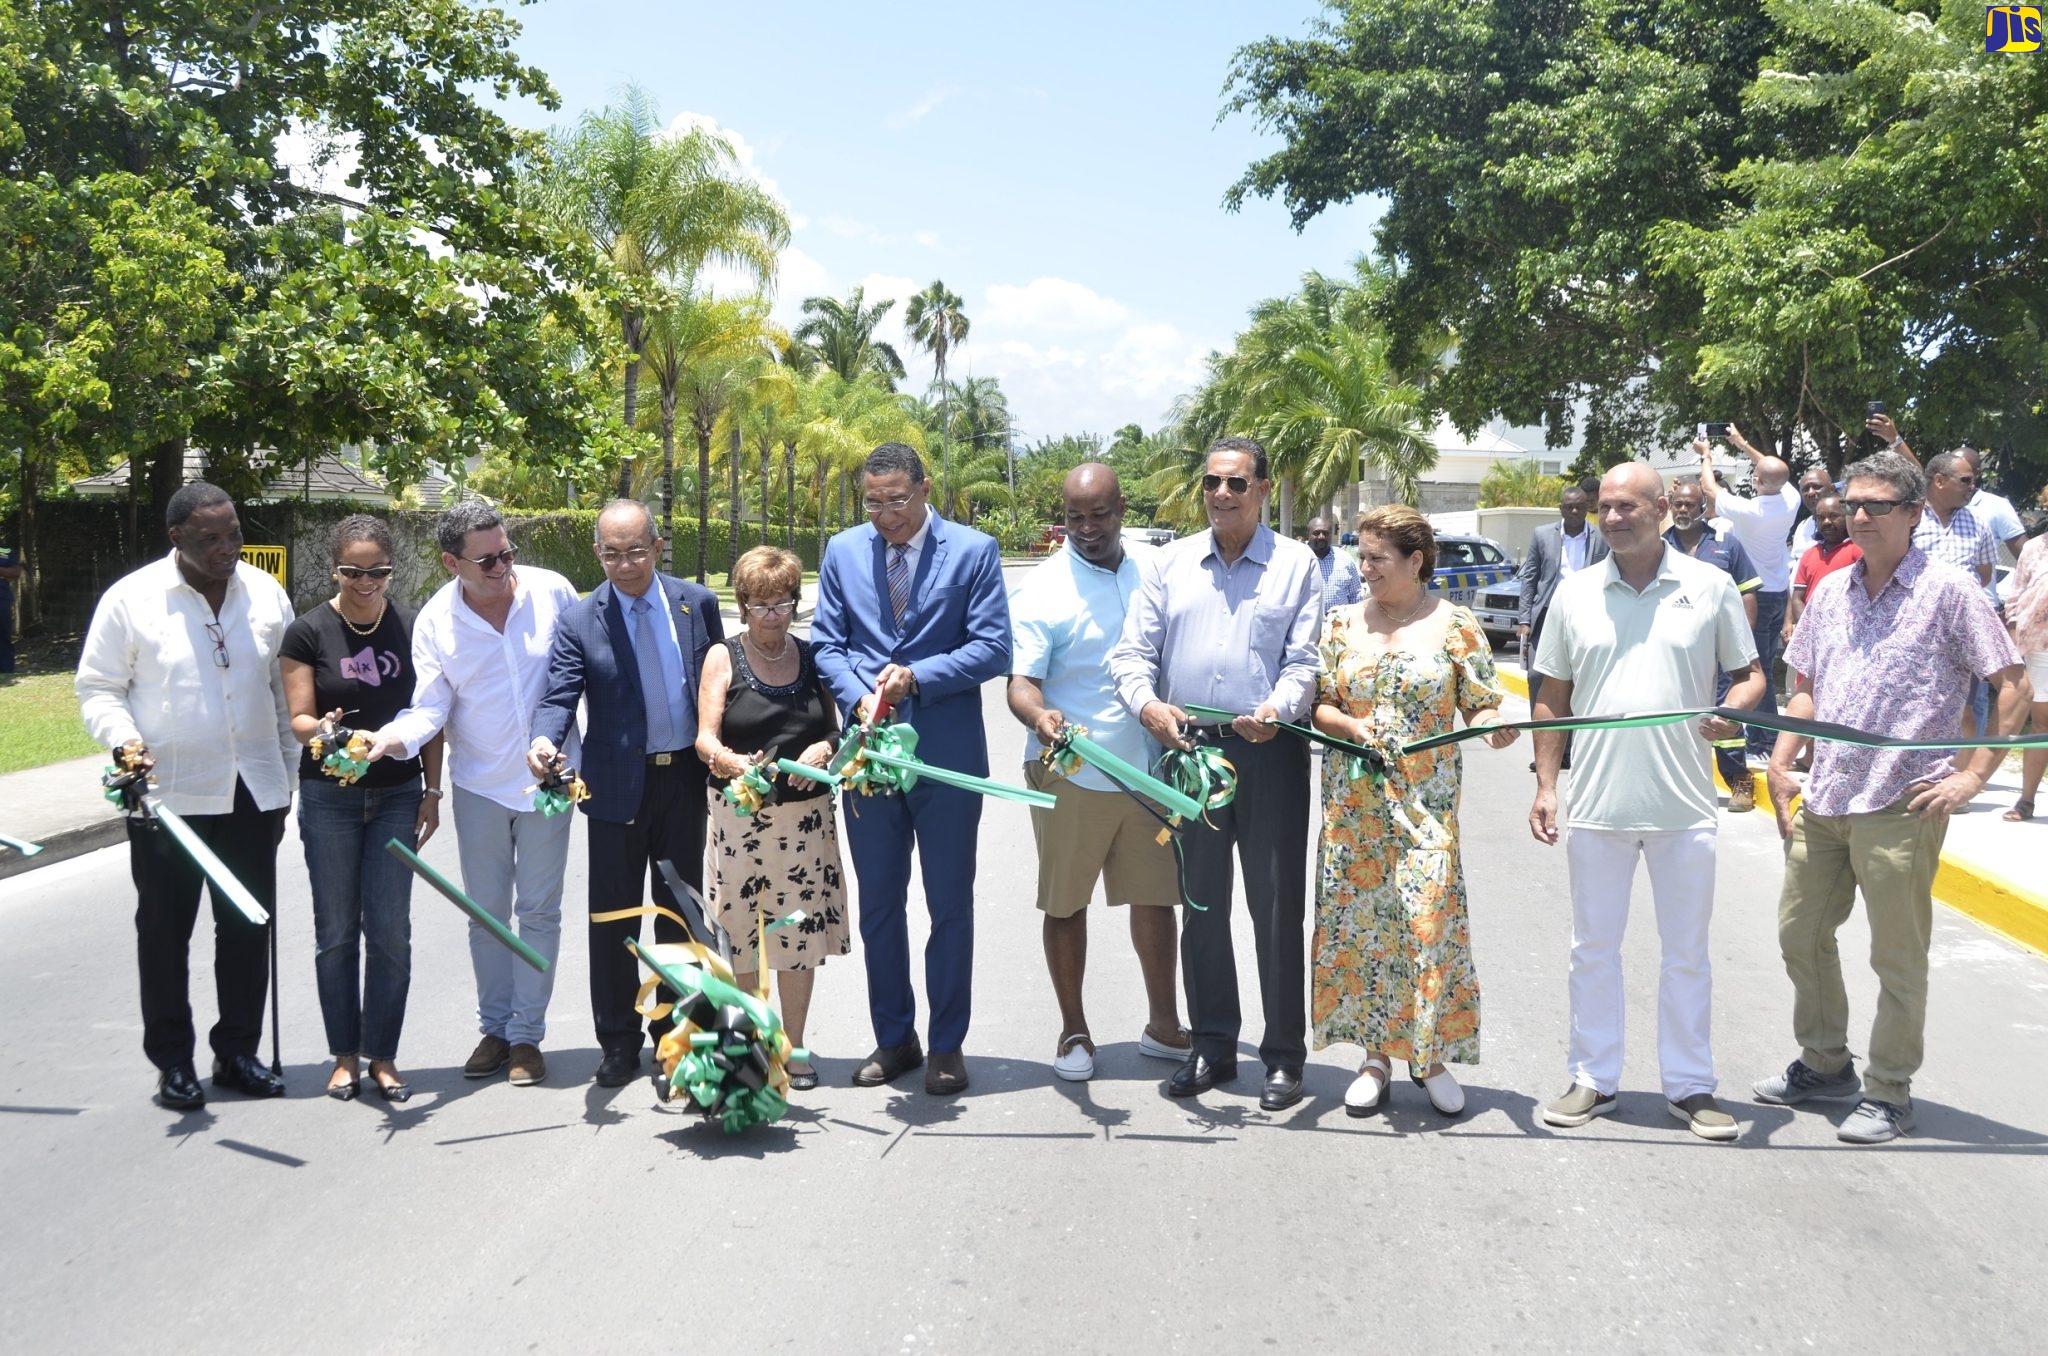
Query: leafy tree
[(659, 208), (842, 336), (938, 325), (1510, 483)]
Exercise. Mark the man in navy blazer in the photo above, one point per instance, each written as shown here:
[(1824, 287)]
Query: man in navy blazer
[(640, 632), (912, 608)]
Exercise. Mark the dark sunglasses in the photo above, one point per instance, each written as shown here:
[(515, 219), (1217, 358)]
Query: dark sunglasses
[(1213, 483), (491, 563), (365, 571), (1876, 508)]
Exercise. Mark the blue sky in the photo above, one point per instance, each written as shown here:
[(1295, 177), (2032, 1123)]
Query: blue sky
[(1059, 166)]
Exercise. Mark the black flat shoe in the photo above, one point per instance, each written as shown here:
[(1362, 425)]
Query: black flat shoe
[(345, 1092), (618, 1068), (394, 1092), (1200, 1074), (246, 1074), (177, 1089), (1282, 1090), (803, 1082)]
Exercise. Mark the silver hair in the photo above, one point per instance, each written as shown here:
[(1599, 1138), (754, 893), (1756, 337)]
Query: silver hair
[(646, 513), (453, 527), (1899, 475)]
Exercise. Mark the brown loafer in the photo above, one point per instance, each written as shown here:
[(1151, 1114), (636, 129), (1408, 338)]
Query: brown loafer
[(528, 1067), (489, 1056), (887, 1063), (946, 1074)]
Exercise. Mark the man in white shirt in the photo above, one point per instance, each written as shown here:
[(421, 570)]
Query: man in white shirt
[(1763, 525), (1648, 631), (182, 657), (1338, 569), (480, 653)]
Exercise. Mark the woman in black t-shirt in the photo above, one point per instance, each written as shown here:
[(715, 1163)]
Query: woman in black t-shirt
[(348, 662)]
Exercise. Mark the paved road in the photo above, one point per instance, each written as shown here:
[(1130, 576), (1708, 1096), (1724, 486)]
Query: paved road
[(1103, 1217)]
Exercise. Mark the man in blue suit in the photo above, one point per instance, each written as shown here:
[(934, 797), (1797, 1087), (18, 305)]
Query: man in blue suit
[(632, 651), (911, 608)]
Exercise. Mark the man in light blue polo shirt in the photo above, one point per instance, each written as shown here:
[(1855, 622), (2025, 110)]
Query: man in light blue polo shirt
[(1064, 618)]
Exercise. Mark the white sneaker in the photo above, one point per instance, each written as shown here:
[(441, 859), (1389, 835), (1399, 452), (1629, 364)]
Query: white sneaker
[(1149, 1044), (1076, 1059), (1444, 1093), (1369, 1089)]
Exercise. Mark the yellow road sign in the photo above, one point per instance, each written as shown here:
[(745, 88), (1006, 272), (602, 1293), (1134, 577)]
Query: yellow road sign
[(269, 559)]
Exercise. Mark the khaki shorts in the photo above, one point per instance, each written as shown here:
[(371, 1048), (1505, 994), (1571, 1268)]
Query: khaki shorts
[(1090, 835)]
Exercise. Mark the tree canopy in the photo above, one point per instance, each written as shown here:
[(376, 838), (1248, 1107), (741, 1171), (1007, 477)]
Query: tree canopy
[(1638, 213)]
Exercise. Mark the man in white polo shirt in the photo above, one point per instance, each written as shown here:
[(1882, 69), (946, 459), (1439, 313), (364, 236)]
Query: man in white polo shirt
[(1064, 618), (1646, 631), (480, 653), (1763, 525)]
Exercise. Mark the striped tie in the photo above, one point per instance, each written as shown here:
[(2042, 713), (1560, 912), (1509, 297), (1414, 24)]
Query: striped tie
[(899, 581)]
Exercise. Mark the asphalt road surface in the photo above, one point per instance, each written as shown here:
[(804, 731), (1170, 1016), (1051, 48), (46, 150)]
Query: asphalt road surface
[(1030, 1213)]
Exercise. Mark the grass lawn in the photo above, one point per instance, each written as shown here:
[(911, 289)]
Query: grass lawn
[(39, 721)]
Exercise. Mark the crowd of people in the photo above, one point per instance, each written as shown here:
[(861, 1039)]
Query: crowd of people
[(1229, 645)]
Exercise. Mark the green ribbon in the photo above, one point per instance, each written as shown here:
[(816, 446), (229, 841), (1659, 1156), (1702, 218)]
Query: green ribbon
[(1365, 762), (469, 906), (883, 758), (1783, 724), (705, 1074), (1202, 774), (21, 845), (1075, 740), (789, 767), (749, 791)]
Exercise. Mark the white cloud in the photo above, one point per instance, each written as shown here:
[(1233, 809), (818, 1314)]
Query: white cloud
[(1052, 304), (919, 110), (743, 151)]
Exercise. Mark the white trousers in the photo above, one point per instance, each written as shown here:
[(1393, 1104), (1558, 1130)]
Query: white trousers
[(1603, 868)]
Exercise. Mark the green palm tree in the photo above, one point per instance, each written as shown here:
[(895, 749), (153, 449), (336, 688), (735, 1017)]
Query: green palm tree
[(842, 335), (659, 208), (937, 325), (1338, 406)]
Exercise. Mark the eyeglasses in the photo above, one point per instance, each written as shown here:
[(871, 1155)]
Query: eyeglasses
[(219, 637), (767, 610), (1213, 483), (1964, 480), (1875, 508), (491, 564), (896, 505), (365, 571), (635, 555)]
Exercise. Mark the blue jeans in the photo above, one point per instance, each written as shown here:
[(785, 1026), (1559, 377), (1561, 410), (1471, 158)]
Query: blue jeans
[(362, 909), (1768, 632)]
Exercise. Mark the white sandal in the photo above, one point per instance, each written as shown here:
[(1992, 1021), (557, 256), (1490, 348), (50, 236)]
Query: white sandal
[(1076, 1059), (1369, 1089), (1444, 1093)]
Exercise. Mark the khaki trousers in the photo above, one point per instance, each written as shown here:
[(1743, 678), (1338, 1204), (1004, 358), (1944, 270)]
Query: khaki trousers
[(1891, 856)]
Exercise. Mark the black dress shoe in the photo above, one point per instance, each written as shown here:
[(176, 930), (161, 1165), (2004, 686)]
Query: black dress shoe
[(888, 1062), (946, 1075), (1200, 1074), (246, 1074), (618, 1068), (1282, 1090), (177, 1089)]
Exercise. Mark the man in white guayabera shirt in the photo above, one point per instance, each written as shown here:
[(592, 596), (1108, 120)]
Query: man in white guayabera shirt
[(480, 653), (182, 655), (1764, 527)]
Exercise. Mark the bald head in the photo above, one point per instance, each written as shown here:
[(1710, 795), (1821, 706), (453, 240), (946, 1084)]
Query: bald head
[(1094, 508), (1632, 508), (1771, 475), (1319, 535)]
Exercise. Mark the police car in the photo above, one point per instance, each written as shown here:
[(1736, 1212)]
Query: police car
[(1467, 568)]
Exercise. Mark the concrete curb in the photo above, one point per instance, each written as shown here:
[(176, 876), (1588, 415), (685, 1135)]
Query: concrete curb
[(1976, 892), (59, 847)]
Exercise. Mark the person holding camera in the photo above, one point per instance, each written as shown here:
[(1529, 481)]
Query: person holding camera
[(1763, 525)]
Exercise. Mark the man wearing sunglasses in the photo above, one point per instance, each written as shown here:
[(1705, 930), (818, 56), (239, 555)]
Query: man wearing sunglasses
[(632, 652), (1229, 618), (182, 655), (1889, 645), (912, 612), (480, 662)]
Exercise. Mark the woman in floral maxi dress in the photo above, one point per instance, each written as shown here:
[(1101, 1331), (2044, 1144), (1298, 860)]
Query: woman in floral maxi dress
[(1393, 948)]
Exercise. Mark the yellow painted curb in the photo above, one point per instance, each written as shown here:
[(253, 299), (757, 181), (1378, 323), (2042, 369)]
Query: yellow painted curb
[(1990, 899)]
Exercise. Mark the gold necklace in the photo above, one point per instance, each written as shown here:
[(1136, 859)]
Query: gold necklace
[(369, 630), (1403, 621), (765, 657)]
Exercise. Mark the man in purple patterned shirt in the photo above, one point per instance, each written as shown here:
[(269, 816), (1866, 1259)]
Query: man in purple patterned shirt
[(1889, 645)]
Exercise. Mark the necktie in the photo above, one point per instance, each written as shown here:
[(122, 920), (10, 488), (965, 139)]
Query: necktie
[(654, 692), (899, 581)]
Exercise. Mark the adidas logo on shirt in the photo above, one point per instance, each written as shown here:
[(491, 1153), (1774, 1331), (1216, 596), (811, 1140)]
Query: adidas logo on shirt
[(1682, 600)]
